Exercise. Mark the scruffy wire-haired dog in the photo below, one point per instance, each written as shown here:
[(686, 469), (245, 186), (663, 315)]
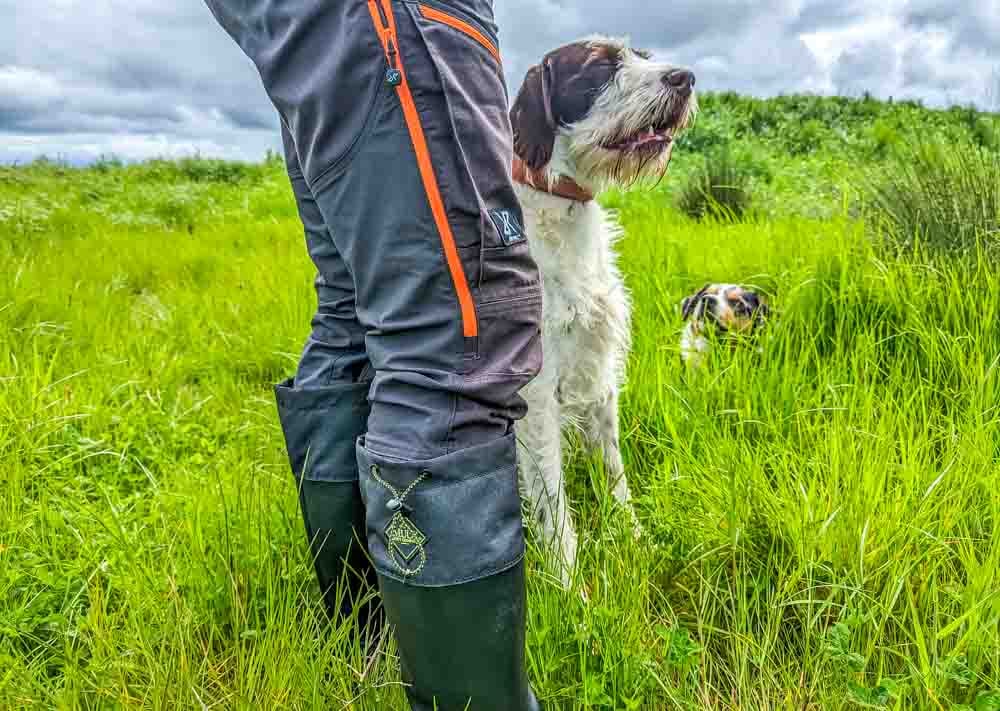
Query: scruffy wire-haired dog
[(721, 310), (592, 114)]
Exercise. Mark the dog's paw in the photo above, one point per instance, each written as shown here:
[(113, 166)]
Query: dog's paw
[(637, 530)]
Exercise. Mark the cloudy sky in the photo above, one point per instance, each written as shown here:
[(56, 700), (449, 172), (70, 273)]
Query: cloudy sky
[(137, 78)]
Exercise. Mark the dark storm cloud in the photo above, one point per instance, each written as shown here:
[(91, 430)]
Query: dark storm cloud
[(82, 78), (248, 117), (142, 72)]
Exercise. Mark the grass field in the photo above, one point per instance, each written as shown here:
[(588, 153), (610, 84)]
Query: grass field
[(821, 518)]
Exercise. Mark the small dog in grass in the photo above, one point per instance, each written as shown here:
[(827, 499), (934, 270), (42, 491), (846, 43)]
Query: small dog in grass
[(720, 310)]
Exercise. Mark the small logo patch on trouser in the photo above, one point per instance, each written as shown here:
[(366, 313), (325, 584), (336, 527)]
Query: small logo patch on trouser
[(508, 226)]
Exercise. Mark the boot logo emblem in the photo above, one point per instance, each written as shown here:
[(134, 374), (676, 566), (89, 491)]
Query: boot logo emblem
[(404, 541)]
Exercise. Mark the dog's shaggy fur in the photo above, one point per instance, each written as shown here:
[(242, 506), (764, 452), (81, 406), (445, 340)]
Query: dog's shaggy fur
[(718, 310), (595, 114)]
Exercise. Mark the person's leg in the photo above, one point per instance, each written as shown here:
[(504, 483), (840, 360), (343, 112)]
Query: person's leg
[(438, 464), (323, 411), (419, 201)]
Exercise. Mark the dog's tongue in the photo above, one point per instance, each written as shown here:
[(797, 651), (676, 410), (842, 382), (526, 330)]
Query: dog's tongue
[(652, 134), (649, 135)]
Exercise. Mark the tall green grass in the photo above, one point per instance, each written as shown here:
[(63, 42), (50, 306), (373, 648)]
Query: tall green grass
[(718, 189), (820, 517), (940, 194)]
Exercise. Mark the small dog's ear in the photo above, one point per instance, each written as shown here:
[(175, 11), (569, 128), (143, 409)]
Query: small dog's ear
[(532, 118), (687, 306), (691, 303)]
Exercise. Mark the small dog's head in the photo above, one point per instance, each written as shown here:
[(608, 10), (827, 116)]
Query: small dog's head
[(601, 112), (725, 309)]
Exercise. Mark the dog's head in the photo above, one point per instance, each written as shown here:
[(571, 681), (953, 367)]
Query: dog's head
[(731, 308), (601, 113)]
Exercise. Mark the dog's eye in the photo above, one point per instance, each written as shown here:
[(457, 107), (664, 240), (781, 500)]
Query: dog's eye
[(644, 54)]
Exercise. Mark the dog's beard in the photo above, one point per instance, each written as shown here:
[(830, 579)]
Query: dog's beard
[(630, 131)]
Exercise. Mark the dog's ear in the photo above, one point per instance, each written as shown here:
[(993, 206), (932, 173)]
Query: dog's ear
[(755, 305), (691, 303), (532, 118), (559, 92)]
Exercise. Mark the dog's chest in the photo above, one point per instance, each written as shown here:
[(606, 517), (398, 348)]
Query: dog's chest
[(586, 310)]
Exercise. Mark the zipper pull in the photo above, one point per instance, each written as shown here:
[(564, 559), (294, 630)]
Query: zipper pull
[(393, 77)]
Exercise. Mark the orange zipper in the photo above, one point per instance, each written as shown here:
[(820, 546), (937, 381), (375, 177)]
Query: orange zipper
[(462, 26), (385, 26)]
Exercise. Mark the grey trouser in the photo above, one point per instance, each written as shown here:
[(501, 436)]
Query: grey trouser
[(398, 147)]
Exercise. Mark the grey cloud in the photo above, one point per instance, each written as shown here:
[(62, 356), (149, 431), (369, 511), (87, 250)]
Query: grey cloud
[(757, 62), (973, 24), (251, 118), (531, 28), (142, 72), (859, 69), (149, 77), (963, 77), (825, 15), (109, 69)]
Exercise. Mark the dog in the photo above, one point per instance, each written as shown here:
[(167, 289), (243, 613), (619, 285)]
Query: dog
[(592, 114), (722, 310)]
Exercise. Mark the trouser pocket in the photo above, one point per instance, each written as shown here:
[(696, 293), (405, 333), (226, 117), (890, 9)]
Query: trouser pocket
[(444, 63), (455, 65), (444, 521)]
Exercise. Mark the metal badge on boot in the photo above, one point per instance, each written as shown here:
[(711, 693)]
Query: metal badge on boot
[(403, 539)]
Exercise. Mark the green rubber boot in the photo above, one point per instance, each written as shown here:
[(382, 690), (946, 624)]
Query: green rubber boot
[(321, 428), (447, 540), (463, 647)]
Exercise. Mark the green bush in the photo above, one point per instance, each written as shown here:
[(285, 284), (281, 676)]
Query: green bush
[(719, 189), (806, 137), (986, 133), (944, 195), (884, 137)]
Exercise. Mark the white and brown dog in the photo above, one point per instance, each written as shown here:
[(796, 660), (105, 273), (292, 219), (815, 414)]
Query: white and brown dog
[(719, 311), (591, 115)]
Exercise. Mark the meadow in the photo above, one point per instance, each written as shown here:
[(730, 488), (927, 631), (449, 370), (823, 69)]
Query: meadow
[(821, 511)]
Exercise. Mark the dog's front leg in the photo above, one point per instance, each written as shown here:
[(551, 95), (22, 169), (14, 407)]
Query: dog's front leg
[(604, 432), (542, 479)]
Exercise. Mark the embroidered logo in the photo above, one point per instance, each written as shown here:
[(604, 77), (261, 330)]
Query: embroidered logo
[(404, 542), (405, 539), (508, 226)]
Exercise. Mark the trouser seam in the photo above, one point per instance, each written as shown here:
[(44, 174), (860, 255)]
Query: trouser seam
[(449, 440), (418, 454), (326, 176)]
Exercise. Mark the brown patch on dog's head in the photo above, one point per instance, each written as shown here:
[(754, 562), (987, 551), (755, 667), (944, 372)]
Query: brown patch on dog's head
[(558, 92)]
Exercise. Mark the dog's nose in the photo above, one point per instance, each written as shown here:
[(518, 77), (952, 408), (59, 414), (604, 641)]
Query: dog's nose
[(679, 80)]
